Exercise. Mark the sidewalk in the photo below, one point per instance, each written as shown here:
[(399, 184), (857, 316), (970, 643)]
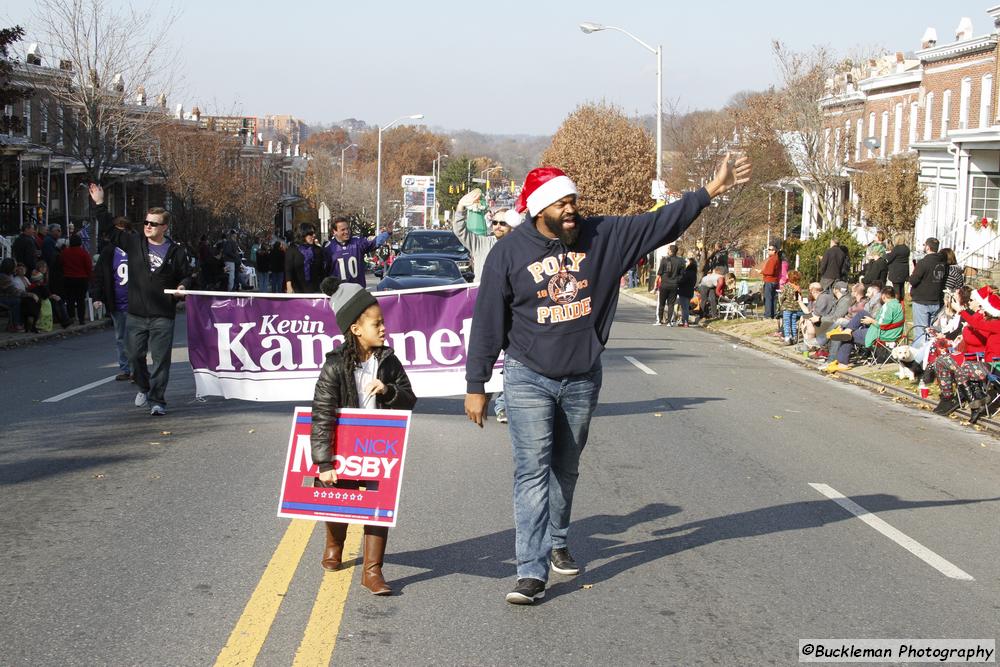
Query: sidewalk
[(13, 340), (755, 333)]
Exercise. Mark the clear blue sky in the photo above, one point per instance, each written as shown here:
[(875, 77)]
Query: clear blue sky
[(509, 67)]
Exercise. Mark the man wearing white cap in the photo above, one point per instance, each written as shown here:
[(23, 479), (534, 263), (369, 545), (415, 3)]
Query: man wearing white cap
[(547, 297), (503, 221)]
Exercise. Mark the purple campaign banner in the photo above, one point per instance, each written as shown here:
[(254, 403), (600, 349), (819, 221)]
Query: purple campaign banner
[(261, 347)]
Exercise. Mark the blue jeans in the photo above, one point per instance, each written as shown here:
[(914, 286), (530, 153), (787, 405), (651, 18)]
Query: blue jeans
[(685, 302), (549, 423), (923, 316), (770, 296), (120, 317), (263, 281), (790, 322), (499, 404)]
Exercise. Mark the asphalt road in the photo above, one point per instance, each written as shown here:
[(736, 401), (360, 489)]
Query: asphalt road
[(132, 540)]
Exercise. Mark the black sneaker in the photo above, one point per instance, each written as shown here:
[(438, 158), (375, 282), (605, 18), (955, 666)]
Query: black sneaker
[(562, 562), (527, 591)]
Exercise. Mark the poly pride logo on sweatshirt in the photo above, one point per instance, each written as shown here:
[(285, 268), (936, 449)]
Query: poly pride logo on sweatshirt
[(562, 288)]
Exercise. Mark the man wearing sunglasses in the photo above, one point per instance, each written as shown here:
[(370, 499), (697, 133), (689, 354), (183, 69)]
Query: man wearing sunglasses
[(155, 264), (503, 222)]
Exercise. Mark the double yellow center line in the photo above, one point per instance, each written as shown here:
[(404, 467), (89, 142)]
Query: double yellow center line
[(320, 636)]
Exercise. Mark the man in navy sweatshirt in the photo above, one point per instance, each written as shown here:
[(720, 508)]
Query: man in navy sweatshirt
[(547, 298)]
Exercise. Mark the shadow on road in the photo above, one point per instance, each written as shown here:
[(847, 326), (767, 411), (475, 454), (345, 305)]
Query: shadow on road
[(652, 405), (49, 466), (592, 539)]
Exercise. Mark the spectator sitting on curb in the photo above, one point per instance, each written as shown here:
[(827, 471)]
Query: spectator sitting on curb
[(966, 373), (17, 301), (40, 285), (706, 290), (873, 299), (824, 318), (945, 332), (863, 330)]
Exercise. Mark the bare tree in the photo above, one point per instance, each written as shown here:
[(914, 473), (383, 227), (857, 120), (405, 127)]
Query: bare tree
[(699, 139), (801, 124), (109, 57)]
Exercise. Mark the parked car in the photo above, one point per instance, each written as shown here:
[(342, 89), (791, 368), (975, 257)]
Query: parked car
[(441, 242), (425, 270)]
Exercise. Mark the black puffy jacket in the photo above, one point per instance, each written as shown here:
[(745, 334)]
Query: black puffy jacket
[(337, 389)]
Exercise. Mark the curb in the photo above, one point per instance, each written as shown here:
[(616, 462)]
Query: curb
[(14, 341), (990, 424)]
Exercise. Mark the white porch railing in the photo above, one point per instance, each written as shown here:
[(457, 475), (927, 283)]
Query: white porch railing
[(978, 248)]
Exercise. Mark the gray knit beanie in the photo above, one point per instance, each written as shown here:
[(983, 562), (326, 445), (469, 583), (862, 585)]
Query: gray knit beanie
[(347, 301)]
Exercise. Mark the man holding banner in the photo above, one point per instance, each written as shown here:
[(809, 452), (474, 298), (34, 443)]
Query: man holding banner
[(547, 297), (155, 263)]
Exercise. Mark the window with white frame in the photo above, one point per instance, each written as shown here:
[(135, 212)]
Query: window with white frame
[(964, 100), (897, 129), (884, 136), (836, 146), (914, 116), (857, 140), (27, 118), (928, 115), (986, 101), (945, 112), (871, 131), (985, 201)]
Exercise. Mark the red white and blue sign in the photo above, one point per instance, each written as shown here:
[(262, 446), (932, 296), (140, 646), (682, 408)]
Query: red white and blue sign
[(369, 449)]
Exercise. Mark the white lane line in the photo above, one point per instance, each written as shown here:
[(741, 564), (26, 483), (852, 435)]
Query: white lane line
[(641, 366), (900, 538), (78, 390)]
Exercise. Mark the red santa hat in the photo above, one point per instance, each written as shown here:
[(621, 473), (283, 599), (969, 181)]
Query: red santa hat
[(543, 186), (987, 300)]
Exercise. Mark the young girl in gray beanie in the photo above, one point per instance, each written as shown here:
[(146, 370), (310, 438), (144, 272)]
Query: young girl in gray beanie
[(361, 373)]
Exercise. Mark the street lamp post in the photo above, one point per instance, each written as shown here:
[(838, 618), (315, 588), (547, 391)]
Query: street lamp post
[(342, 166), (487, 171), (588, 28), (769, 193), (436, 173), (378, 169)]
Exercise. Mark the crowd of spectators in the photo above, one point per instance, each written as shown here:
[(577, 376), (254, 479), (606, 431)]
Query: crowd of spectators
[(40, 284), (951, 336)]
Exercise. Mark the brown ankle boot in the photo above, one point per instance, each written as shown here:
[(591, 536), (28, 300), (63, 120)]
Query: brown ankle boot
[(371, 574), (336, 533)]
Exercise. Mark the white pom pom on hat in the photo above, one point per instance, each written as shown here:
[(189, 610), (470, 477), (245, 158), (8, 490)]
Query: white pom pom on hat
[(543, 186)]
